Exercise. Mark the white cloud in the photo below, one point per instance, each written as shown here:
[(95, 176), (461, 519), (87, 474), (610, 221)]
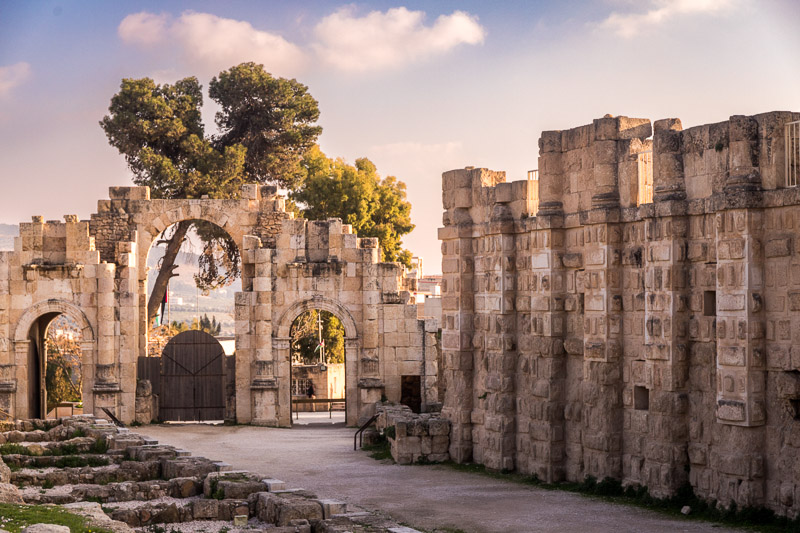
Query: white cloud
[(397, 37), (12, 76), (629, 25), (143, 28), (210, 43)]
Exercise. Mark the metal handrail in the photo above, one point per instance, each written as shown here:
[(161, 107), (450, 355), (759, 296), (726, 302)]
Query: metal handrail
[(361, 431)]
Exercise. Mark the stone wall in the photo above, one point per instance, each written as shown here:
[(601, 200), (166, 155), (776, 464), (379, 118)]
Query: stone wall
[(649, 343), (96, 272)]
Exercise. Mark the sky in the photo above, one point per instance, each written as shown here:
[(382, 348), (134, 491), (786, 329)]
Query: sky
[(417, 87)]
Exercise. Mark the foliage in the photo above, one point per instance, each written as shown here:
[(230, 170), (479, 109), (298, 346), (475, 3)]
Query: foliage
[(273, 118), (63, 371), (305, 338), (14, 518), (210, 326), (266, 125), (375, 207)]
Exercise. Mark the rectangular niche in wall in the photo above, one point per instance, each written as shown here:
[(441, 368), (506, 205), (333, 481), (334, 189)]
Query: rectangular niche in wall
[(641, 398), (709, 303)]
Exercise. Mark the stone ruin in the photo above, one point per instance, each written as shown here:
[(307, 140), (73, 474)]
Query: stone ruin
[(650, 339), (95, 271), (121, 480)]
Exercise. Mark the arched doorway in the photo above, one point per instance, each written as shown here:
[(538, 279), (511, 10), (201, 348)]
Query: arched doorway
[(58, 331), (317, 351), (281, 350)]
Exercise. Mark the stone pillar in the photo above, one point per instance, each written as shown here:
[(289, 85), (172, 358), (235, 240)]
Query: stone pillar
[(546, 364), (457, 331), (604, 155), (668, 178), (8, 384), (741, 376), (602, 376), (743, 155), (106, 385), (551, 174), (128, 328), (498, 264), (360, 388), (269, 384), (243, 312), (665, 403)]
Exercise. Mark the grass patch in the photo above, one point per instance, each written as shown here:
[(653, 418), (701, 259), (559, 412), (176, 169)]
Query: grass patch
[(754, 519), (100, 446), (11, 448), (15, 518), (379, 451), (74, 461)]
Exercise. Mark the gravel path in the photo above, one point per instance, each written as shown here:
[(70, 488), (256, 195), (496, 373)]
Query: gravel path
[(321, 459)]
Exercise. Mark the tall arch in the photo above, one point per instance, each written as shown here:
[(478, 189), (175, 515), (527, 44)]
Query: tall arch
[(192, 210)]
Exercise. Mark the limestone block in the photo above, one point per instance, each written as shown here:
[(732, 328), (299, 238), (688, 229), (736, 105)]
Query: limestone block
[(332, 507)]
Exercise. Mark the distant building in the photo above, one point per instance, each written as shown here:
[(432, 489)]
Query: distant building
[(328, 384)]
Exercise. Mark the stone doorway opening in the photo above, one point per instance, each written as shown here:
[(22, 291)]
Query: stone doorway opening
[(317, 352), (194, 270), (54, 376)]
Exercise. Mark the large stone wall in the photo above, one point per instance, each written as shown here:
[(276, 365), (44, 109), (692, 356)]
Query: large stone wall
[(654, 343), (96, 271)]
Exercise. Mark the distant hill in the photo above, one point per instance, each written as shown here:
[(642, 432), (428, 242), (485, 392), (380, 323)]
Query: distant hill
[(7, 234)]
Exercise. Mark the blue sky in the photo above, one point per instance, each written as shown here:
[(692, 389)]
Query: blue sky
[(418, 87)]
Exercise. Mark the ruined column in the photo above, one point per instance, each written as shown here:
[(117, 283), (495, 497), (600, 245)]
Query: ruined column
[(664, 403), (544, 360), (457, 310), (668, 179), (106, 384), (551, 174), (743, 155), (741, 376), (498, 262), (268, 379)]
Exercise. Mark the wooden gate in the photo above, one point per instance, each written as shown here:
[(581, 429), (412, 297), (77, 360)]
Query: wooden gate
[(190, 381)]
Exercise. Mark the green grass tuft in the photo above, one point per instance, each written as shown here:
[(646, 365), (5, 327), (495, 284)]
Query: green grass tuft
[(15, 518)]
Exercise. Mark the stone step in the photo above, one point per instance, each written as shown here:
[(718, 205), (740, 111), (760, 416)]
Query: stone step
[(125, 471), (170, 511)]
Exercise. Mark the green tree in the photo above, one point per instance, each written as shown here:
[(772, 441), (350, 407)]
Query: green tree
[(305, 335), (265, 124), (375, 207)]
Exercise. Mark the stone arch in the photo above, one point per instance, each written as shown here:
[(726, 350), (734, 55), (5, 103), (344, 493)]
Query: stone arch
[(204, 210), (54, 306), (324, 304)]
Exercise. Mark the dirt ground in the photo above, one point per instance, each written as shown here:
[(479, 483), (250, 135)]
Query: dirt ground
[(321, 458)]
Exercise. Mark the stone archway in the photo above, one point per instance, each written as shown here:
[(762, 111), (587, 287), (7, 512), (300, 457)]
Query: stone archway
[(28, 350), (352, 351)]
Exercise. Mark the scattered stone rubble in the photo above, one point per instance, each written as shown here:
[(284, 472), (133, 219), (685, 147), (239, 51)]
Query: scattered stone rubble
[(138, 483)]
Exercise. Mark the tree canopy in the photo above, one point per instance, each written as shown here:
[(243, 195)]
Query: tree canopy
[(375, 207), (305, 334), (266, 125), (266, 134)]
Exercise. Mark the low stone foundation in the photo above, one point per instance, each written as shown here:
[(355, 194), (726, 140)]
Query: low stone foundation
[(414, 438)]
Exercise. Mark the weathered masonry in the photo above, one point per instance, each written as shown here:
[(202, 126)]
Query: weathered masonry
[(658, 344), (96, 272)]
